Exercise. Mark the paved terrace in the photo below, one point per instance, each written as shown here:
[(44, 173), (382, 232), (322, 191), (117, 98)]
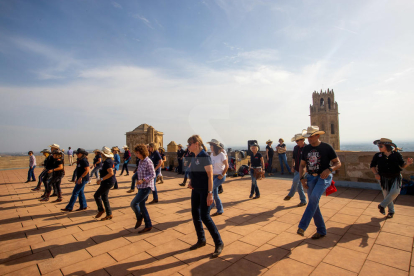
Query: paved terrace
[(259, 235)]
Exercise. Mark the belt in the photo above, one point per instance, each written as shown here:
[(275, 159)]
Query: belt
[(315, 174)]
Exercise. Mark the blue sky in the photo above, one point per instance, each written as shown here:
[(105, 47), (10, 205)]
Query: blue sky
[(82, 73)]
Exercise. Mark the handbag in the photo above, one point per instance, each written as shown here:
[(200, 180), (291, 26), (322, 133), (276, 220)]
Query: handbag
[(259, 174), (331, 189)]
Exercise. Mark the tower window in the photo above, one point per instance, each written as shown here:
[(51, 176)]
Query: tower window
[(329, 103), (332, 129), (322, 102)]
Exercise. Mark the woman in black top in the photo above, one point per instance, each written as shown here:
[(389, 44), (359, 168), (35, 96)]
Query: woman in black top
[(256, 162), (106, 182), (57, 172), (387, 166), (201, 183), (281, 150)]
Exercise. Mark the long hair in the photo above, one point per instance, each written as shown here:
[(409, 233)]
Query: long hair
[(153, 146), (196, 138), (216, 149)]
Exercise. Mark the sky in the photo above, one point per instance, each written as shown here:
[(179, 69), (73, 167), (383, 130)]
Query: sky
[(82, 73)]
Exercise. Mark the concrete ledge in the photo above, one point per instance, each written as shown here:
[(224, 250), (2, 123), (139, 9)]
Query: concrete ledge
[(358, 185)]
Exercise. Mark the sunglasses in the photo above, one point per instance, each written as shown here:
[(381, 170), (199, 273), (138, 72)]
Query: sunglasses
[(380, 146)]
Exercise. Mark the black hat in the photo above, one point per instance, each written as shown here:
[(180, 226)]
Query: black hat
[(81, 151)]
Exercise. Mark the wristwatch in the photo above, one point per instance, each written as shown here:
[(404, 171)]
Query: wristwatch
[(330, 168), (210, 192)]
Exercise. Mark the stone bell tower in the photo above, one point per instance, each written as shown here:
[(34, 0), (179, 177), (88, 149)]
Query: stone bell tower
[(324, 114)]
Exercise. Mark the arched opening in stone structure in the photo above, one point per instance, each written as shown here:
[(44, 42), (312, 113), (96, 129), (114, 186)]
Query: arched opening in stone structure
[(329, 103), (332, 129), (322, 102)]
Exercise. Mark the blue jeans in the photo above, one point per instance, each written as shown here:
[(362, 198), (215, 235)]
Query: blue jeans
[(30, 174), (316, 187), (255, 188), (187, 172), (95, 171), (155, 192), (78, 191), (138, 206), (134, 180), (296, 185), (201, 214), (283, 160), (216, 183), (390, 196)]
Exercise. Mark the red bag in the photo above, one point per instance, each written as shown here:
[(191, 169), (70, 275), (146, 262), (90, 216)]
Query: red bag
[(331, 189)]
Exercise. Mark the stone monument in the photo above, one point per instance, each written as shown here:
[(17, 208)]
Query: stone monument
[(324, 113), (144, 134), (172, 147)]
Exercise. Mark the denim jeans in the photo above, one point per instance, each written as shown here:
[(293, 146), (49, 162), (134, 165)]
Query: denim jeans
[(269, 164), (40, 179), (255, 188), (102, 193), (116, 181), (283, 160), (134, 180), (31, 174), (187, 172), (316, 187), (297, 186), (201, 214), (138, 206), (155, 192), (390, 196), (95, 171), (78, 191), (216, 183)]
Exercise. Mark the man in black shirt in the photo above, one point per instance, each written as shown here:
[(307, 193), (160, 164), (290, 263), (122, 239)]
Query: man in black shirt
[(180, 155), (316, 157), (269, 156), (387, 166)]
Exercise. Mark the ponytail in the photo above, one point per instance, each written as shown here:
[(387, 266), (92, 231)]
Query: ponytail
[(204, 147)]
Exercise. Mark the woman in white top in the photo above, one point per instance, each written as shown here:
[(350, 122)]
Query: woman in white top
[(220, 166)]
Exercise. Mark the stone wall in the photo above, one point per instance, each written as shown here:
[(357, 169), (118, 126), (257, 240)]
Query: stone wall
[(355, 165)]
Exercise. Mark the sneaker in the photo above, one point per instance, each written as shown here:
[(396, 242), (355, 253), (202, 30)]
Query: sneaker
[(216, 214), (301, 232), (153, 201), (256, 197), (130, 191), (287, 198)]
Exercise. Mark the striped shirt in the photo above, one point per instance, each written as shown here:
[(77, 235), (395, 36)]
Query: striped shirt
[(146, 172)]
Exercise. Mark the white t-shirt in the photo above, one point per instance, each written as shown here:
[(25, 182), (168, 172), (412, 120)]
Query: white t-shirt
[(217, 162)]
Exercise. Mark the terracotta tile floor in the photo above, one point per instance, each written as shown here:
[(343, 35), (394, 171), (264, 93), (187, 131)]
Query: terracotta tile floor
[(259, 235)]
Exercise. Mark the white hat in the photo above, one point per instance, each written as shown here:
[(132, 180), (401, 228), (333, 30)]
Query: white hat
[(107, 152), (297, 137), (215, 142), (55, 146), (312, 130), (125, 147)]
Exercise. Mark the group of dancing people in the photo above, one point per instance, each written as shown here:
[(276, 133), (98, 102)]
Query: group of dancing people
[(313, 166)]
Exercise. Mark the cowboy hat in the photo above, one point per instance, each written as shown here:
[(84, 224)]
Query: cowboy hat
[(269, 141), (96, 150), (115, 148), (55, 146), (179, 145), (298, 136), (45, 151), (59, 152), (107, 152), (312, 130), (215, 142), (385, 141), (125, 147)]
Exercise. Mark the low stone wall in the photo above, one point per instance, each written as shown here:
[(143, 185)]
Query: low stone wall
[(355, 165)]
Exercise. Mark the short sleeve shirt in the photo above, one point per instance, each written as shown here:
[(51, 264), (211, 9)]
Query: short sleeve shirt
[(270, 151), (155, 158), (198, 174), (80, 169), (388, 166), (108, 164), (255, 159), (217, 162), (318, 158)]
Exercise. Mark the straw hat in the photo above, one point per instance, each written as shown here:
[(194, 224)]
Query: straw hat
[(45, 151), (385, 141), (96, 151), (125, 147), (115, 148), (298, 136), (107, 152), (215, 142), (179, 145), (269, 141), (312, 130), (55, 146)]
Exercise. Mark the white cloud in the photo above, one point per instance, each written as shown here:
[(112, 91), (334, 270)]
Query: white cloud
[(143, 19), (116, 5)]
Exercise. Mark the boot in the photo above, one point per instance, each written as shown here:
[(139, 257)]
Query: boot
[(158, 179), (185, 180), (161, 180), (54, 194), (46, 198), (59, 199)]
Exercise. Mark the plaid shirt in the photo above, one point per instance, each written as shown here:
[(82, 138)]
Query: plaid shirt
[(146, 172)]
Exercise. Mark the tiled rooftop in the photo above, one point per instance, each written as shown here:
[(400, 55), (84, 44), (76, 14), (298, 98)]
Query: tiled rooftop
[(260, 237)]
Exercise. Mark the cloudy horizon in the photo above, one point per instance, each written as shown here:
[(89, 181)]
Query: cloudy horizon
[(83, 73)]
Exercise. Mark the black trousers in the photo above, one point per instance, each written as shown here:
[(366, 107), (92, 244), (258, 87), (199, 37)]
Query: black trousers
[(125, 167), (180, 166), (46, 180), (201, 214), (74, 174), (102, 195), (40, 179)]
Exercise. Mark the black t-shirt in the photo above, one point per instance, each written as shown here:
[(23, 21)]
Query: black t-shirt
[(49, 162), (82, 164), (96, 158), (388, 166), (270, 152), (108, 164), (56, 164), (155, 158), (180, 153), (255, 160), (198, 174), (297, 156), (318, 158)]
